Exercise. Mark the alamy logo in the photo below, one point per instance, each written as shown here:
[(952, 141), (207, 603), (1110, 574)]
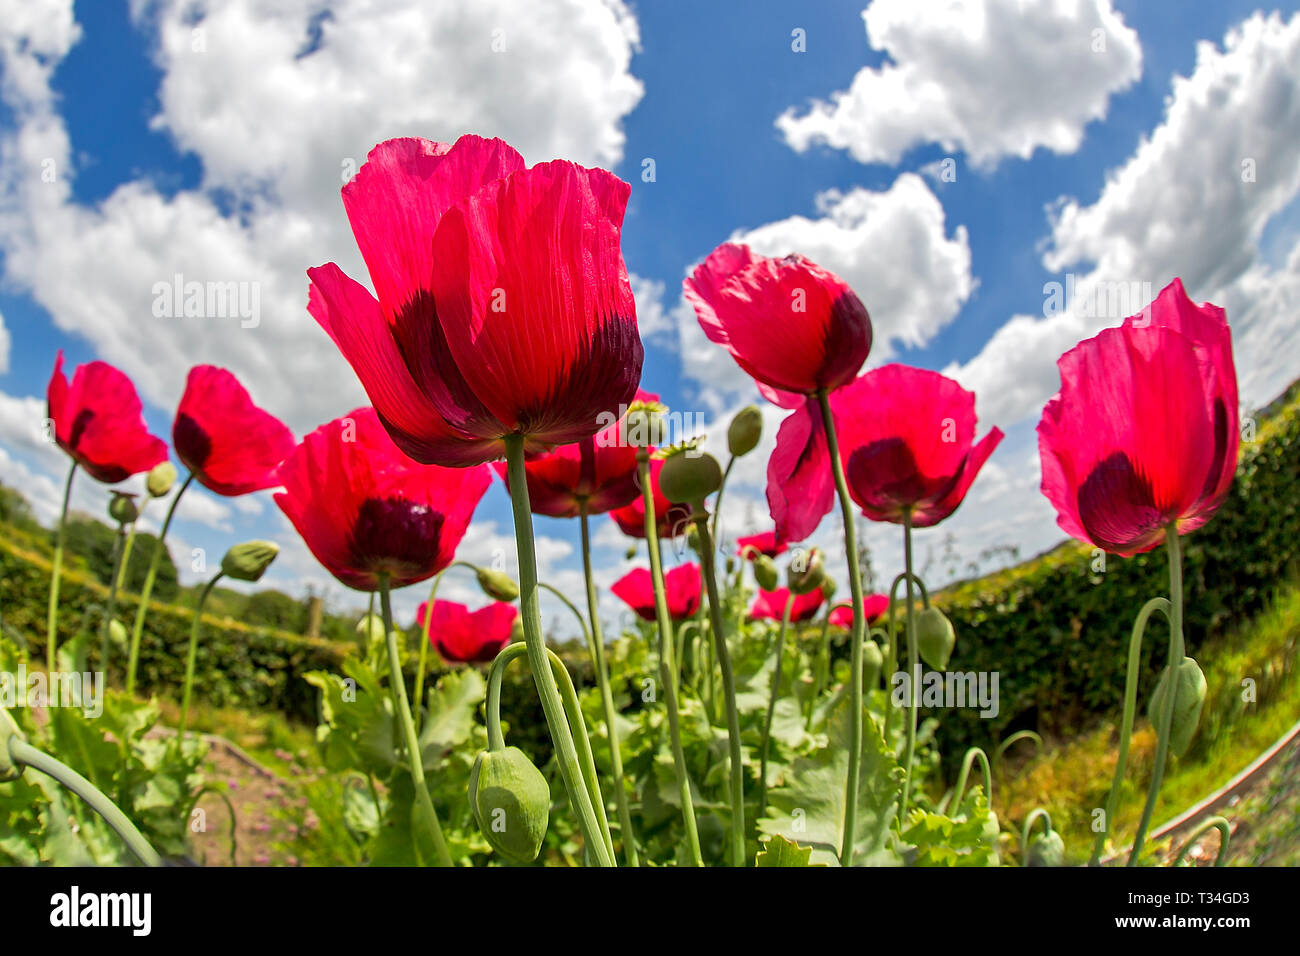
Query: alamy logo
[(180, 299), (133, 910), (59, 689), (948, 689)]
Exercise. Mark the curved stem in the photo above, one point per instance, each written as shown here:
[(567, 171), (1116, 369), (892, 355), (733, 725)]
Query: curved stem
[(959, 790), (192, 653), (1175, 658), (851, 785), (667, 665), (1214, 823), (1038, 813), (422, 798), (913, 668), (566, 754), (597, 645), (771, 705), (1126, 725), (1015, 738), (729, 692), (52, 614), (160, 546), (23, 753)]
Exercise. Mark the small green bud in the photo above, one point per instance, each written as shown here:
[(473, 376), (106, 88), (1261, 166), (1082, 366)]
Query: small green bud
[(806, 571), (117, 633), (160, 479), (631, 553), (693, 538), (249, 561), (10, 769), (122, 508), (872, 662), (765, 573), (511, 801), (935, 638), (643, 426), (497, 584), (689, 476), (1187, 704), (731, 565), (1045, 849), (745, 431), (829, 587), (517, 630)]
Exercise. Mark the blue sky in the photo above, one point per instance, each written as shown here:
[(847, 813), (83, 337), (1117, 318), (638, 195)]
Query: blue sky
[(204, 138)]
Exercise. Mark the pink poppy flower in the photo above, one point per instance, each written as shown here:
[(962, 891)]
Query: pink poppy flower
[(770, 605), (681, 590), (768, 543), (874, 606), (459, 634)]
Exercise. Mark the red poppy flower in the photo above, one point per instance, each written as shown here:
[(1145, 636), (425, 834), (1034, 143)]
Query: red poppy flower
[(790, 324), (365, 509), (671, 520), (768, 543), (503, 300), (600, 469), (459, 634), (232, 446), (875, 606), (681, 590), (1144, 432), (770, 605), (907, 441), (98, 420)]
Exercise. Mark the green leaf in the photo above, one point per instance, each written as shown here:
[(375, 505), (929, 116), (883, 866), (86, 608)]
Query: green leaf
[(778, 851), (449, 720)]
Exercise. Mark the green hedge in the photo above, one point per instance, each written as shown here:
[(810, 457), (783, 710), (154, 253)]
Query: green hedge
[(1057, 632)]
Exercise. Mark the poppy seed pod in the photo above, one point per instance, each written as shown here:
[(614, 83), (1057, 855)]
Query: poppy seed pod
[(122, 508), (806, 571), (511, 801), (497, 584), (934, 637), (765, 573), (160, 479), (872, 662), (1045, 849), (745, 430), (688, 477), (1187, 704), (249, 561)]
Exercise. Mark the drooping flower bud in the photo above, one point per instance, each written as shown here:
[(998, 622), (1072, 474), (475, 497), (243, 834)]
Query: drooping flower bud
[(122, 507), (1045, 849), (745, 430), (497, 584), (511, 801), (1189, 699), (689, 476), (935, 638), (765, 573), (806, 571), (249, 561), (160, 479)]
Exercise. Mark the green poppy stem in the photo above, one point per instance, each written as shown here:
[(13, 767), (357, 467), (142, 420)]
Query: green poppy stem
[(159, 547), (597, 644), (859, 631), (667, 665), (123, 550), (424, 803), (24, 753), (566, 754), (1126, 724), (771, 705), (1176, 653), (192, 653), (913, 669), (423, 666), (729, 693), (52, 615)]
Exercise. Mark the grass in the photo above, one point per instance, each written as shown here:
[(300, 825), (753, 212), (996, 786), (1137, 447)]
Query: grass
[(1071, 778)]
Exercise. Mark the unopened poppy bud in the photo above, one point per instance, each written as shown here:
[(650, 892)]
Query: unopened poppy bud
[(122, 508), (765, 573), (689, 476), (117, 633), (249, 561), (806, 571), (1045, 849), (371, 628), (643, 426), (160, 479), (693, 539), (935, 638), (731, 565), (511, 801), (517, 630), (10, 769), (829, 587), (745, 431), (1187, 704), (497, 584), (872, 662), (630, 553)]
